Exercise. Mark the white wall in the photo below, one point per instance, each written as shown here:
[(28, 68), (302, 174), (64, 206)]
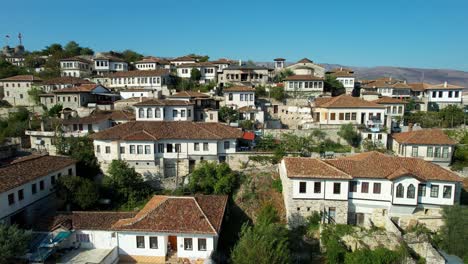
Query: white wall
[(385, 190), (439, 200), (130, 94), (98, 239), (195, 253), (166, 113), (300, 86), (445, 96), (406, 182), (326, 114), (236, 99), (128, 245)]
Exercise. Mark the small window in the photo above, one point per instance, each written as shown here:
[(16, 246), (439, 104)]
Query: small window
[(41, 185), (336, 188), (147, 149), (107, 149), (20, 194), (132, 149), (153, 242), (182, 113), (205, 146), (400, 190), (230, 97), (178, 148), (188, 244), (430, 152), (52, 180), (447, 192), (139, 149), (414, 151), (196, 146), (302, 187), (226, 144), (377, 187), (161, 148), (317, 187), (122, 150), (365, 187), (410, 193), (174, 113), (353, 186), (422, 190), (202, 244), (83, 238), (11, 198), (140, 242), (434, 191), (98, 149), (169, 148)]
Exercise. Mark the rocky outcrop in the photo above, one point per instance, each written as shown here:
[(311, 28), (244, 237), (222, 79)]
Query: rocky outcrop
[(421, 245), (372, 239)]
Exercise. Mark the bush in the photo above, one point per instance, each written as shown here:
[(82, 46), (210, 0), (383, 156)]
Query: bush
[(13, 243), (78, 191), (348, 133), (377, 256), (212, 178), (277, 185), (454, 232)]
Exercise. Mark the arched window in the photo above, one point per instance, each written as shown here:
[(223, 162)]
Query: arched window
[(400, 190), (158, 112), (411, 191), (141, 113), (149, 113)]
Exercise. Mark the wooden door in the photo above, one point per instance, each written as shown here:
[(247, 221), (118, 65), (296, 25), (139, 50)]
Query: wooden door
[(173, 243)]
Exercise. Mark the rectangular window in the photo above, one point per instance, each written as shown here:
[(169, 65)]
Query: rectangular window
[(242, 97), (11, 198), (205, 146), (332, 116), (52, 180), (430, 152), (445, 151), (122, 150), (414, 151), (161, 148), (196, 146), (33, 188), (98, 149), (174, 113), (456, 94), (347, 116), (140, 242), (447, 192), (202, 244), (440, 94), (83, 238), (20, 195), (251, 97), (317, 187), (107, 149), (189, 113), (341, 116), (377, 187), (336, 188), (147, 149), (436, 152), (182, 113), (353, 116), (365, 187), (422, 190), (450, 94), (434, 191), (41, 185), (188, 244), (302, 187), (169, 148), (178, 148), (132, 149), (153, 242), (139, 149), (226, 144), (353, 186)]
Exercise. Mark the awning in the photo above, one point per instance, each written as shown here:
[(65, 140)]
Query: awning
[(248, 136)]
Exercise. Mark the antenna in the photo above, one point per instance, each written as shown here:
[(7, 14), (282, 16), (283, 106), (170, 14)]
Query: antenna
[(20, 37), (7, 38)]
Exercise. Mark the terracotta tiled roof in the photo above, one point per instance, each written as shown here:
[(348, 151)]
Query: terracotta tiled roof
[(83, 88), (305, 60), (152, 102), (239, 89), (368, 165), (303, 78), (77, 58), (247, 109), (389, 100), (30, 168), (419, 86), (342, 74), (107, 56), (312, 168), (22, 78), (150, 73), (67, 80), (100, 116), (424, 137), (345, 101), (193, 215), (133, 99), (156, 130), (197, 64), (153, 60), (88, 220), (444, 86), (189, 94), (184, 58), (401, 86)]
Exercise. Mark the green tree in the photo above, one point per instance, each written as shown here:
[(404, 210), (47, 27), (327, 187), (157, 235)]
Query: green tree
[(212, 178), (55, 110), (195, 74), (267, 143), (7, 69), (333, 86), (72, 49), (454, 232), (86, 51), (13, 243), (278, 93), (267, 215), (283, 75), (452, 116), (34, 94), (81, 149), (52, 49), (260, 91), (131, 56), (349, 133), (78, 191), (227, 114), (379, 255)]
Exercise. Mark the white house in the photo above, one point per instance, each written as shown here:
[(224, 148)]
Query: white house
[(183, 60), (26, 184), (345, 77), (428, 144), (221, 64), (346, 109), (208, 71), (159, 149), (307, 67), (84, 95), (139, 93), (445, 94), (62, 82), (106, 63), (245, 75), (76, 67), (152, 63), (304, 85), (239, 96), (179, 228), (15, 89), (164, 110), (150, 79), (394, 110), (361, 188)]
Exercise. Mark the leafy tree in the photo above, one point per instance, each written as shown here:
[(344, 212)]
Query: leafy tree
[(454, 231), (266, 242), (72, 49), (379, 255), (13, 243), (369, 145), (78, 191), (34, 94), (260, 91), (452, 116), (127, 185), (7, 69), (52, 49), (278, 93), (131, 56), (55, 110), (247, 124), (227, 114), (283, 75), (81, 149), (350, 135), (212, 178), (266, 143), (199, 58), (195, 74), (333, 86), (86, 51), (33, 60)]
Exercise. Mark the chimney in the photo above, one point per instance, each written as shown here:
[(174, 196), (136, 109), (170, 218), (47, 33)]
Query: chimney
[(141, 99), (445, 84), (410, 127), (240, 62), (42, 125)]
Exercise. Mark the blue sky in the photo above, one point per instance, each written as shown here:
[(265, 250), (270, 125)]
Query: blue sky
[(412, 33)]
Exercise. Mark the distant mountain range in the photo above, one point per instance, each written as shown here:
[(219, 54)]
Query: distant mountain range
[(435, 76)]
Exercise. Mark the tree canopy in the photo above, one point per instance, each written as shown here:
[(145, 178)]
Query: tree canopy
[(333, 86), (78, 191), (212, 178), (81, 149), (227, 114), (13, 243), (349, 133)]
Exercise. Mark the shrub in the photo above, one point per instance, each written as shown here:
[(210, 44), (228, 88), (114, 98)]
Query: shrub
[(277, 185), (212, 178)]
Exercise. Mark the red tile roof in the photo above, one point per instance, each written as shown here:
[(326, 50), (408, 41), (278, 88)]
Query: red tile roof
[(30, 168), (184, 58), (138, 73), (345, 101), (171, 214), (87, 220), (305, 60), (443, 86), (66, 80), (239, 89), (190, 94), (100, 116), (197, 64), (389, 100), (22, 78), (77, 58), (368, 165), (303, 78), (157, 130), (424, 137), (153, 60), (83, 88), (419, 86), (163, 102)]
